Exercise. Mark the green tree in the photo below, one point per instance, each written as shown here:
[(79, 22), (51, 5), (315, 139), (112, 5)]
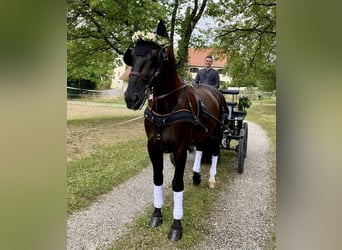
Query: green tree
[(101, 30), (96, 66), (98, 33), (185, 16), (247, 33)]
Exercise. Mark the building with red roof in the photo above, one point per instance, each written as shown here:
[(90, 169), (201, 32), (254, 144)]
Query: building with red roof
[(197, 61)]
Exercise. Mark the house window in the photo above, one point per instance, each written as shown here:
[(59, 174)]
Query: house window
[(193, 70)]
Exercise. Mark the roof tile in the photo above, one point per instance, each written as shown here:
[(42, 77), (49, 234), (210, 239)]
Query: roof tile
[(197, 58)]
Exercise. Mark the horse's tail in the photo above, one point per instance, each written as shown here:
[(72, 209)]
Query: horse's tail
[(224, 109), (223, 115)]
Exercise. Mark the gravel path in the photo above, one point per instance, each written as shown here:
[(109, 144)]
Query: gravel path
[(242, 218)]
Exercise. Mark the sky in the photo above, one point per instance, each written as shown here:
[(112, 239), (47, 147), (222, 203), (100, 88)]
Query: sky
[(203, 23)]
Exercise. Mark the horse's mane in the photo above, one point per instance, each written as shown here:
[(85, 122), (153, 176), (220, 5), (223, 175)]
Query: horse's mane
[(172, 64), (171, 57)]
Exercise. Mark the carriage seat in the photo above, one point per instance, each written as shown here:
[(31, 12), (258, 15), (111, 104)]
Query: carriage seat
[(230, 91), (235, 114), (239, 114), (231, 106)]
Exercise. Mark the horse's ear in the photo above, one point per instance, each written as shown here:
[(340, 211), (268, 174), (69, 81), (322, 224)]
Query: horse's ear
[(161, 29), (128, 57)]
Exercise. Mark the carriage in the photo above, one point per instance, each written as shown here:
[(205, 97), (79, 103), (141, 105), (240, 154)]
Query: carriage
[(237, 128)]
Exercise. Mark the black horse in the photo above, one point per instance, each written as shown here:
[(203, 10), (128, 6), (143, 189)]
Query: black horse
[(177, 114)]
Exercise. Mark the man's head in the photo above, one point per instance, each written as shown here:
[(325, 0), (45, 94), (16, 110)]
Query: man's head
[(208, 61)]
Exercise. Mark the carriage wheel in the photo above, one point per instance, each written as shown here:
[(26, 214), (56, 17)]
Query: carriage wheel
[(241, 156), (245, 126)]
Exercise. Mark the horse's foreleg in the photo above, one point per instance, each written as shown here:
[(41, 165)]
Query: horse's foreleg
[(157, 218), (157, 163), (176, 229), (178, 189)]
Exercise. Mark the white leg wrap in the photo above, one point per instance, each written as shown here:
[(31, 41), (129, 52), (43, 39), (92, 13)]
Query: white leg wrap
[(212, 170), (158, 196), (197, 163), (178, 205)]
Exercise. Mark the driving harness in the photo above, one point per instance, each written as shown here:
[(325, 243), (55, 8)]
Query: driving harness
[(180, 115)]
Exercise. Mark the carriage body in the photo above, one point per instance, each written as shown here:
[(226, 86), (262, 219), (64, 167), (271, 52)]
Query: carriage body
[(237, 129)]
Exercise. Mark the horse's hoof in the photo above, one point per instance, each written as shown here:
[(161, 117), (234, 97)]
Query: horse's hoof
[(196, 178), (175, 234), (211, 182), (155, 221)]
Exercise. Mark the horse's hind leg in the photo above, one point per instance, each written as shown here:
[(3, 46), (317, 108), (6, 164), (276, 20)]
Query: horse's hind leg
[(214, 158), (212, 172), (196, 178)]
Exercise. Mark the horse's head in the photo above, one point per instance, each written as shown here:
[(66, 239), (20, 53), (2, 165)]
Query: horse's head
[(145, 58)]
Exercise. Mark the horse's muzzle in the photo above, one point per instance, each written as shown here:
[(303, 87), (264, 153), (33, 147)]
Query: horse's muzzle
[(133, 101)]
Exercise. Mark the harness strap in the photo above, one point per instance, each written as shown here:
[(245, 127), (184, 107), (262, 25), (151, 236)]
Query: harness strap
[(170, 93), (137, 74), (182, 115), (200, 112)]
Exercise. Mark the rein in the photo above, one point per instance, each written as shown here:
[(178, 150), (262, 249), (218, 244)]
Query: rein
[(170, 93)]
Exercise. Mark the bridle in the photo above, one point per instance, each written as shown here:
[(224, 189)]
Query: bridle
[(148, 81), (177, 114)]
